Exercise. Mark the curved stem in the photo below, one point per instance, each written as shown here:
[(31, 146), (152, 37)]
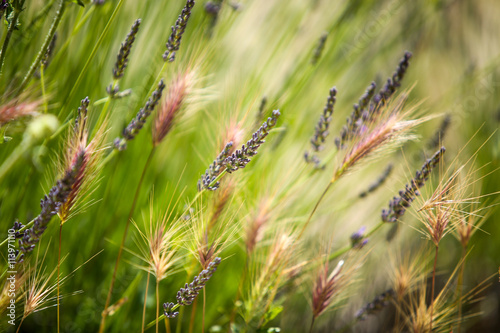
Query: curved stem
[(44, 94), (12, 159), (157, 303), (10, 30), (460, 287), (193, 315), (45, 46), (58, 275), (120, 251), (145, 301), (312, 325), (322, 196), (203, 313), (433, 285)]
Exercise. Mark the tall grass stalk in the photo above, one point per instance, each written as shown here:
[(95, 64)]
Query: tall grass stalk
[(13, 23), (124, 237), (45, 46)]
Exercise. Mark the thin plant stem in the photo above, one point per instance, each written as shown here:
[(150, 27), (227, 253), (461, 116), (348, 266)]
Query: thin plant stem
[(203, 313), (433, 285), (91, 56), (134, 202), (145, 301), (312, 325), (193, 315), (58, 275), (10, 30), (238, 292), (460, 287), (45, 46), (157, 303), (44, 94), (322, 196), (19, 327), (167, 325)]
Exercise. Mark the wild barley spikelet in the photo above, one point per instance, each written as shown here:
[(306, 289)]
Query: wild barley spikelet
[(138, 122), (239, 158), (16, 109), (174, 41), (379, 182), (398, 205), (78, 143), (170, 108), (186, 295), (326, 286)]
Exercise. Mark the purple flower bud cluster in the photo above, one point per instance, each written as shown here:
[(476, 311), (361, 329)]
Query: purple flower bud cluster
[(174, 41), (138, 122), (240, 158), (399, 204), (358, 240), (379, 182), (123, 54), (50, 205), (217, 166), (380, 302), (355, 121), (186, 295), (321, 129), (392, 83)]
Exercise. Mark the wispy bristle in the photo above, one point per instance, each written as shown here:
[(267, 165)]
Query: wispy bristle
[(170, 108)]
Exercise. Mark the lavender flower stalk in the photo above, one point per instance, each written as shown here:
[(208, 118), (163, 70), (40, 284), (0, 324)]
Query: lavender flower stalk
[(174, 41), (208, 180), (354, 122), (379, 182), (321, 129), (51, 204), (319, 48), (378, 303), (241, 157), (186, 295), (238, 159), (125, 48), (138, 122), (398, 205), (392, 83)]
